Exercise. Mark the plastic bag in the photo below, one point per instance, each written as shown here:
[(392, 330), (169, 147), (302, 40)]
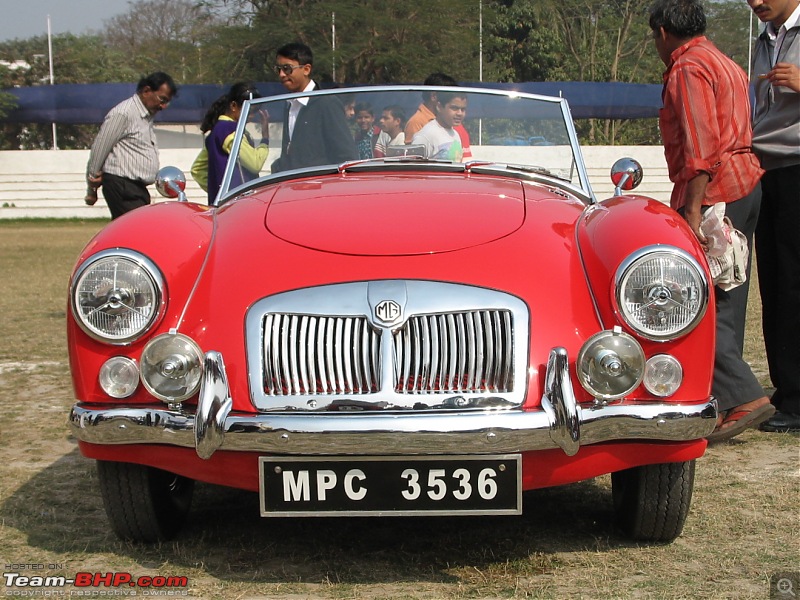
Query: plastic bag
[(727, 252)]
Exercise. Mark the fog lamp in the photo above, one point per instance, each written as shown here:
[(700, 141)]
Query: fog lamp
[(610, 364), (663, 375), (171, 366), (119, 377)]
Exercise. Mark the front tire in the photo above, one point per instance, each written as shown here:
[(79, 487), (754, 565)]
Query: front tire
[(144, 504), (651, 502)]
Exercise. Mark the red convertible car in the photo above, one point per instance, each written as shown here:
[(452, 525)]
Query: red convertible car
[(430, 328)]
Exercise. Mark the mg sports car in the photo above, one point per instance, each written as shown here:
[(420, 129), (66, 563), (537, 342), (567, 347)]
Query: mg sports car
[(395, 332)]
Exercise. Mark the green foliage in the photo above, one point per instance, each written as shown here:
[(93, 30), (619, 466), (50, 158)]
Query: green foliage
[(374, 41), (729, 25), (522, 44), (7, 103), (163, 35)]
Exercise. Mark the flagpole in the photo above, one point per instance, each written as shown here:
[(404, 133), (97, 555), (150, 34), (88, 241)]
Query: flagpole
[(50, 52), (750, 47), (480, 63)]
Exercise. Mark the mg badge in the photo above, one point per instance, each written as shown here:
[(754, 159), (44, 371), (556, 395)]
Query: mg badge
[(388, 311)]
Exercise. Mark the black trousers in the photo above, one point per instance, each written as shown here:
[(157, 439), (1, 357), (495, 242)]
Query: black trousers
[(778, 259), (734, 382), (123, 195)]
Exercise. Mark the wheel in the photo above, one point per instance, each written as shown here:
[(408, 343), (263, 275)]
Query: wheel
[(651, 502), (144, 504)]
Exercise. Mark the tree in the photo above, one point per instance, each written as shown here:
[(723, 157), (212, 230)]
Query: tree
[(7, 103), (729, 29), (377, 41), (76, 59), (521, 45), (162, 35)]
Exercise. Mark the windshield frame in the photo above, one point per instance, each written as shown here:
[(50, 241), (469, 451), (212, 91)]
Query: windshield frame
[(583, 189)]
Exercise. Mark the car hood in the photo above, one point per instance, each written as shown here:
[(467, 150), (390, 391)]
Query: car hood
[(395, 215)]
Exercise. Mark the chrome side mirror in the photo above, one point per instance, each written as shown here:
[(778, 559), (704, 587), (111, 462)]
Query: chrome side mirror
[(171, 183), (626, 174)]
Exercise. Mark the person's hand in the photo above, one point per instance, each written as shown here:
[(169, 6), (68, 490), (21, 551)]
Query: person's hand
[(95, 180), (694, 218), (264, 116), (785, 75)]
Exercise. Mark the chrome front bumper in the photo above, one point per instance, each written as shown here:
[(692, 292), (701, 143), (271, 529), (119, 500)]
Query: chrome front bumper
[(560, 423)]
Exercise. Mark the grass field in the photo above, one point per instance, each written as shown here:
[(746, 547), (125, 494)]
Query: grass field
[(744, 526)]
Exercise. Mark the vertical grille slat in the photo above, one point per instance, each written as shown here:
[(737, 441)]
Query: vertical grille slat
[(459, 382), (294, 345), (302, 347), (330, 368), (421, 346), (435, 353), (343, 355), (370, 381), (472, 352), (312, 364), (322, 379), (270, 375), (452, 351), (357, 372), (491, 349), (507, 330), (500, 345)]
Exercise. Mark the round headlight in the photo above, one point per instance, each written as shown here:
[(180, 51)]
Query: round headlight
[(171, 367), (610, 364), (661, 292), (116, 296), (119, 377), (663, 375)]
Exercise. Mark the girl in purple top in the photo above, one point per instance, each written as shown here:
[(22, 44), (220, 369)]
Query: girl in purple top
[(220, 122)]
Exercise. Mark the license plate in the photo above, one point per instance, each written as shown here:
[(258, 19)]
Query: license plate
[(390, 485)]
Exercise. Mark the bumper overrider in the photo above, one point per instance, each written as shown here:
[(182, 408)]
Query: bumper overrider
[(560, 423)]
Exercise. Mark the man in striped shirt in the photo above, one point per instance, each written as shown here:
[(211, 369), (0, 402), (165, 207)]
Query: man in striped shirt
[(124, 155), (707, 136)]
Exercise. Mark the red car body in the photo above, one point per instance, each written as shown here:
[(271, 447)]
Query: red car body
[(555, 253)]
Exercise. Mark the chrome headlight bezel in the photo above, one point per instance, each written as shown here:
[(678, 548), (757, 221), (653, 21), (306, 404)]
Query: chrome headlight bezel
[(664, 286), (171, 367), (610, 364), (149, 276)]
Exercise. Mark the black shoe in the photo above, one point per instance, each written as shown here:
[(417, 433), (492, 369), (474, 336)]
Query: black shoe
[(783, 422)]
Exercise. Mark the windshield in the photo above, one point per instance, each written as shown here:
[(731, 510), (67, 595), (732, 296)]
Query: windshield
[(296, 134)]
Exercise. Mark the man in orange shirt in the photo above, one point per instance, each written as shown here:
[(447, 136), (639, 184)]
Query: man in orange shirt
[(705, 127)]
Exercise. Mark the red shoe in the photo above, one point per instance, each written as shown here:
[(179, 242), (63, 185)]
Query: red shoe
[(737, 419)]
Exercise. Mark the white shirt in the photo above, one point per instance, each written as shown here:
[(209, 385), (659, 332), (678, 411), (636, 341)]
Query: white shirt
[(779, 35), (385, 140), (295, 105), (439, 142)]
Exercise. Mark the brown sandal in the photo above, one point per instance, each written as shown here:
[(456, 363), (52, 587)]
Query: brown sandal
[(736, 420)]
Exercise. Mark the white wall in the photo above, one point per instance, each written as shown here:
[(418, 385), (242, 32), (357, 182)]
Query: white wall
[(50, 183)]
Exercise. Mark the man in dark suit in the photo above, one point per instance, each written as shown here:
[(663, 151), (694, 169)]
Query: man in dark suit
[(315, 130)]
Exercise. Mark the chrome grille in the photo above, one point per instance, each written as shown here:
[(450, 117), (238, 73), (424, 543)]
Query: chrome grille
[(309, 354), (338, 347), (469, 352)]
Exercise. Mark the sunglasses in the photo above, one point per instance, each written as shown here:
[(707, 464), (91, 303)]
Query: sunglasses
[(286, 69)]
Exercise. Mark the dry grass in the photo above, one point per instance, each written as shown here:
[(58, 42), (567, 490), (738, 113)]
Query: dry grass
[(743, 526)]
